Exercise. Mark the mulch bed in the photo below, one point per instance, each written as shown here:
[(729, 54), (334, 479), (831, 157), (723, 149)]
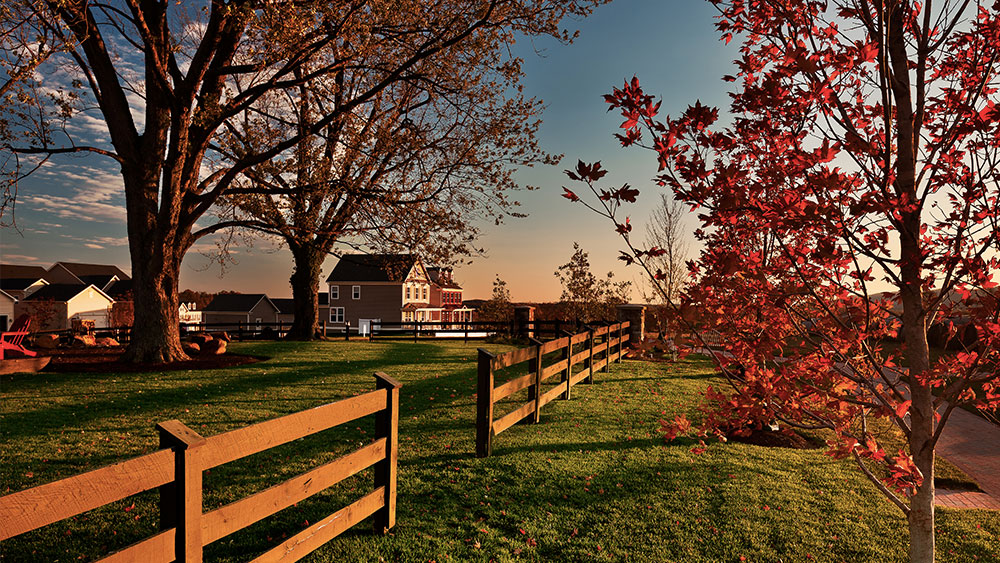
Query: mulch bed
[(107, 359), (776, 439)]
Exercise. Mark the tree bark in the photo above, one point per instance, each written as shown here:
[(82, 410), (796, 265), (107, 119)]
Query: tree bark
[(305, 286), (155, 334), (921, 515)]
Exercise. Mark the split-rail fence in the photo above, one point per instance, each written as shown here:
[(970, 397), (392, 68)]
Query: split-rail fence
[(600, 347), (177, 470)]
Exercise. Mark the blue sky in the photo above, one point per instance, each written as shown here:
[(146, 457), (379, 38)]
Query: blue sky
[(74, 209)]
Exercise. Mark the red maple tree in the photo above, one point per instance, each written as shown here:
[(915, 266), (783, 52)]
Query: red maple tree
[(851, 202)]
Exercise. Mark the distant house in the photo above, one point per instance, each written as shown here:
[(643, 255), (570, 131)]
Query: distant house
[(367, 288), (55, 306), (446, 295), (286, 308), (21, 281), (6, 310), (227, 311), (188, 314)]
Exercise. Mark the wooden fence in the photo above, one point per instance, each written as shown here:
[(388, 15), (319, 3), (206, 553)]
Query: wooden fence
[(592, 356), (177, 471)]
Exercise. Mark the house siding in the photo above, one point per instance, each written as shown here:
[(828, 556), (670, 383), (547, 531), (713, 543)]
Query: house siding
[(378, 301), (224, 320), (6, 311), (89, 305), (265, 312)]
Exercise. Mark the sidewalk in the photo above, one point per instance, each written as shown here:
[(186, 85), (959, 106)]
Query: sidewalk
[(973, 444)]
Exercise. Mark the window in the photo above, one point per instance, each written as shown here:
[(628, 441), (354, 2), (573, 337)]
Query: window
[(355, 292), (334, 292), (336, 314), (408, 292), (425, 293)]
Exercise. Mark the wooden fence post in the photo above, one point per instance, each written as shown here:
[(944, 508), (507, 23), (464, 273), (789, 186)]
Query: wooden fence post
[(181, 505), (535, 391), (387, 426), (590, 359), (484, 405), (568, 356), (607, 350)]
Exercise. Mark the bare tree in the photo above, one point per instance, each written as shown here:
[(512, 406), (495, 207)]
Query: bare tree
[(665, 230), (168, 79), (411, 170)]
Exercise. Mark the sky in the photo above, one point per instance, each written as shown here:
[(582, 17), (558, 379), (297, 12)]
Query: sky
[(74, 210)]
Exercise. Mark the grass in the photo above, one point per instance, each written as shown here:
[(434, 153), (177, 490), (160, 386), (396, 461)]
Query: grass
[(592, 482)]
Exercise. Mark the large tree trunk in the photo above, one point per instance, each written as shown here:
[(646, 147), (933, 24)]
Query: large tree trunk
[(156, 328), (305, 286), (156, 250)]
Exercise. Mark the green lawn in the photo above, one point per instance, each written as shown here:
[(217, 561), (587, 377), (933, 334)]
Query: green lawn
[(592, 482)]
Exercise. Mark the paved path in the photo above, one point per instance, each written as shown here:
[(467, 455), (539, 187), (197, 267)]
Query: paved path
[(973, 444)]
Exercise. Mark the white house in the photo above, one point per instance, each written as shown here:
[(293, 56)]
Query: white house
[(189, 315), (56, 305), (6, 310)]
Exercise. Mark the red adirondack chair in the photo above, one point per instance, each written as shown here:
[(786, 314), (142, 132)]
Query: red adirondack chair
[(10, 341)]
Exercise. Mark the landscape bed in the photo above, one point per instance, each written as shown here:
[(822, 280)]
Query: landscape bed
[(593, 481)]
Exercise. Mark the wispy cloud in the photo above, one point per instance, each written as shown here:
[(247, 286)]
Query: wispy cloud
[(95, 194), (19, 258), (102, 243)]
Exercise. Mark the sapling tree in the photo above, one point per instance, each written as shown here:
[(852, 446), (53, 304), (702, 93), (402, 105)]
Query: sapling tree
[(851, 200), (586, 297), (498, 308)]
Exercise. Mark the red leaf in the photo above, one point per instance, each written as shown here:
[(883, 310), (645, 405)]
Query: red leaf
[(902, 408)]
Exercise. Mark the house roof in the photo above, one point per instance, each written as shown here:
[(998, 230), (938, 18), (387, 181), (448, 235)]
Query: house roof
[(237, 302), (442, 277), (23, 274), (86, 270), (17, 284), (121, 289), (285, 305), (101, 280), (372, 268), (63, 292)]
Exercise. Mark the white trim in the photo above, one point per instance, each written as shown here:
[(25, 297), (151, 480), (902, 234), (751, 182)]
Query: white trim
[(355, 292), (332, 297)]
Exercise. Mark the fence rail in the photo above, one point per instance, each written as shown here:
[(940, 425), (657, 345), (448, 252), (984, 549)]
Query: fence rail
[(177, 470), (594, 356)]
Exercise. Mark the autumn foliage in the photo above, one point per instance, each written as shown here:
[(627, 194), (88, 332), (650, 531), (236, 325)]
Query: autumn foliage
[(849, 203)]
